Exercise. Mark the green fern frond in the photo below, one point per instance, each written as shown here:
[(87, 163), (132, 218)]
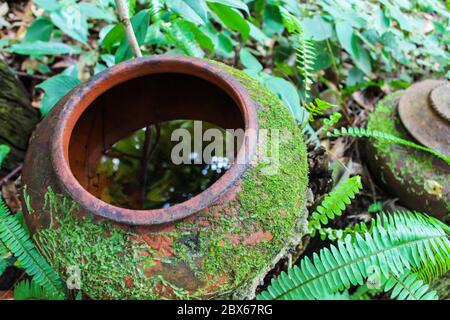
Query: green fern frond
[(16, 239), (430, 271), (30, 290), (304, 49), (412, 239), (332, 120), (317, 108), (334, 203), (361, 132), (409, 287)]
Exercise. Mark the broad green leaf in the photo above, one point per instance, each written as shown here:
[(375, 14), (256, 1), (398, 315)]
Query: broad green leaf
[(183, 38), (184, 10), (91, 11), (49, 5), (349, 42), (257, 33), (224, 46), (238, 4), (40, 48), (40, 30), (71, 22), (273, 22), (249, 61), (289, 95), (318, 28), (231, 19), (201, 37), (345, 35), (114, 36), (140, 23), (55, 88), (200, 7)]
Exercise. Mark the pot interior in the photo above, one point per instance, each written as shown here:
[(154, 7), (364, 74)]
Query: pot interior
[(142, 103)]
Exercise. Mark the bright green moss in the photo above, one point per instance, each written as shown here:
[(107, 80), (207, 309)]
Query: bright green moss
[(268, 203), (237, 242), (385, 119), (417, 165), (106, 257)]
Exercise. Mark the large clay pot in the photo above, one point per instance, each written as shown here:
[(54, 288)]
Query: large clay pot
[(418, 179), (218, 244)]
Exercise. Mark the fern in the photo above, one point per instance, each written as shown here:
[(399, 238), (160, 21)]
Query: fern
[(396, 242), (361, 132), (409, 287), (334, 203), (16, 239), (304, 48), (332, 120), (30, 290), (317, 108)]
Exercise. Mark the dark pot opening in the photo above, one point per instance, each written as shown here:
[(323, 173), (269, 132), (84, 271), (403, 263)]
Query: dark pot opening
[(137, 94)]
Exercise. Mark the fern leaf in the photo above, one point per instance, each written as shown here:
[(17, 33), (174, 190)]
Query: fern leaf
[(334, 203), (317, 108), (332, 120), (409, 287), (30, 290), (19, 243), (304, 48), (412, 239), (361, 132)]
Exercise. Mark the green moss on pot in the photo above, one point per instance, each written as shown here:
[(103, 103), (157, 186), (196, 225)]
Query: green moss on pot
[(412, 170), (270, 205), (226, 249)]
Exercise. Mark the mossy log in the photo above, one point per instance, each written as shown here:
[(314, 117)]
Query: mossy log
[(17, 117)]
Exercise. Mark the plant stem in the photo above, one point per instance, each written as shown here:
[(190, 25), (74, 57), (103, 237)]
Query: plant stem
[(124, 17)]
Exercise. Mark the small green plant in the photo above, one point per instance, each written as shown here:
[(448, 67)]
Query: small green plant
[(334, 204), (17, 246)]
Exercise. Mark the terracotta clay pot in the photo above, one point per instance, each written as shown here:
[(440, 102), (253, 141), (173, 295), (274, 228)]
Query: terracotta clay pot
[(418, 179), (218, 244)]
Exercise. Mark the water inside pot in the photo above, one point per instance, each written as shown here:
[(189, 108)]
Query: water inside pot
[(138, 172)]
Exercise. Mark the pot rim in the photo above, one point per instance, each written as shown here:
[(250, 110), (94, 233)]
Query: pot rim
[(82, 98)]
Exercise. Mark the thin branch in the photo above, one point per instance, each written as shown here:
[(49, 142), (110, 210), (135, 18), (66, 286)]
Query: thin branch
[(11, 174), (124, 17)]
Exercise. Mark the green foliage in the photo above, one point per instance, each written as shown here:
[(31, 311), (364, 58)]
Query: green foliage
[(331, 121), (317, 108), (17, 240), (4, 150), (334, 204), (395, 242), (409, 287), (361, 132), (305, 52), (56, 88), (30, 290)]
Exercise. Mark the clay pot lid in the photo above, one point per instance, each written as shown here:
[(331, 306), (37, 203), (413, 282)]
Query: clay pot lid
[(440, 100), (424, 110)]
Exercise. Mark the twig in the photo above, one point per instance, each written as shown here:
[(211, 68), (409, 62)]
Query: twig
[(34, 76), (124, 17), (11, 174)]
